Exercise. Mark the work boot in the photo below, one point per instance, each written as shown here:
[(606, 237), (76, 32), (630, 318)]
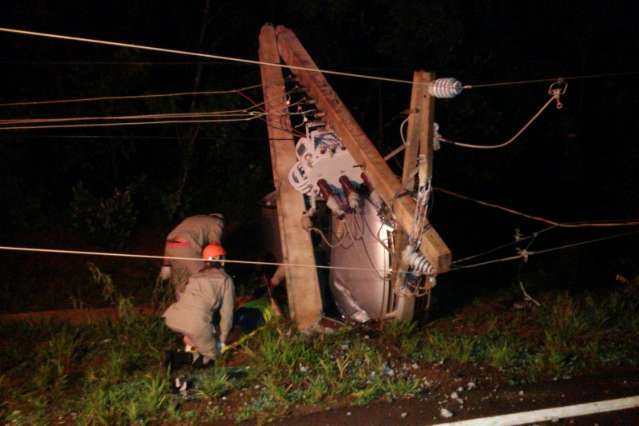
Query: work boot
[(181, 386)]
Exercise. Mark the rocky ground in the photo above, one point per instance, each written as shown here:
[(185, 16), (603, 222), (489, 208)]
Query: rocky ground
[(473, 397)]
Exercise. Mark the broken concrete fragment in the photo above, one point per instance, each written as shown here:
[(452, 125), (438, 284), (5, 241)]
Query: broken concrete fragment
[(445, 413)]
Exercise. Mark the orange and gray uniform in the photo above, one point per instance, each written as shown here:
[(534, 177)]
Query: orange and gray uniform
[(187, 240), (206, 292)]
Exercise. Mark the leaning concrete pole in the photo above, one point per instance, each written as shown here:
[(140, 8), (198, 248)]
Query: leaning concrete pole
[(302, 285), (419, 143), (360, 147)]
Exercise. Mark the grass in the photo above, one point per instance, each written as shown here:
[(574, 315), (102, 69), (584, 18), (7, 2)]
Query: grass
[(111, 372), (106, 373), (566, 335)]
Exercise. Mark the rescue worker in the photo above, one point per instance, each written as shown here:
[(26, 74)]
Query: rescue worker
[(187, 240), (206, 292)]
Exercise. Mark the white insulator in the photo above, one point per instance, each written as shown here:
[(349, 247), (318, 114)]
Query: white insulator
[(445, 88), (417, 261)]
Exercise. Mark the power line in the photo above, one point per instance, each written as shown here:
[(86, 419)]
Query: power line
[(158, 257), (226, 116), (131, 97), (525, 253), (239, 113), (589, 224), (324, 71), (513, 138), (259, 116), (141, 137), (136, 123), (546, 80), (7, 62), (200, 55), (553, 97), (502, 246), (126, 63)]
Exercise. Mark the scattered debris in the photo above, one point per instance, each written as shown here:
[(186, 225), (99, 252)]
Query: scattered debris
[(445, 413), (404, 414), (455, 396), (387, 371), (471, 385)]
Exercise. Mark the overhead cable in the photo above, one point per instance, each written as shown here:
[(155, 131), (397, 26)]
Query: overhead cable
[(227, 116), (142, 137), (545, 80), (524, 254), (158, 257), (555, 91), (518, 240), (239, 113), (131, 97), (351, 268), (256, 62), (200, 55), (134, 123), (584, 224)]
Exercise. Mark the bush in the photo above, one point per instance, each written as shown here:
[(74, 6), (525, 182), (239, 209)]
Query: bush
[(108, 222)]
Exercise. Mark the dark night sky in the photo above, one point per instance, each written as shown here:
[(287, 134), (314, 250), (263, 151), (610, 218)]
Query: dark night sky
[(575, 164)]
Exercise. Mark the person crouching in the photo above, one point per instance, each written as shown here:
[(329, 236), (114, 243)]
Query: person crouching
[(206, 292)]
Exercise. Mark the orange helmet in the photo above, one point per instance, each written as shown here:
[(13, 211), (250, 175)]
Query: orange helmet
[(213, 251)]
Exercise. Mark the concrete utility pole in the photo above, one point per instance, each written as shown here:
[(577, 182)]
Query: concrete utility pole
[(361, 148), (419, 144), (302, 285)]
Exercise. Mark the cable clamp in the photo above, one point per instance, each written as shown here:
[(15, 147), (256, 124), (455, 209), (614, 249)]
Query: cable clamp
[(556, 90)]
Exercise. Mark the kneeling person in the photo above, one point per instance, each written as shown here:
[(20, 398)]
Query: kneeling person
[(206, 292)]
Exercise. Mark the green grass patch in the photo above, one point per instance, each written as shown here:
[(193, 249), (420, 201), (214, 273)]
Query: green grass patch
[(111, 372)]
